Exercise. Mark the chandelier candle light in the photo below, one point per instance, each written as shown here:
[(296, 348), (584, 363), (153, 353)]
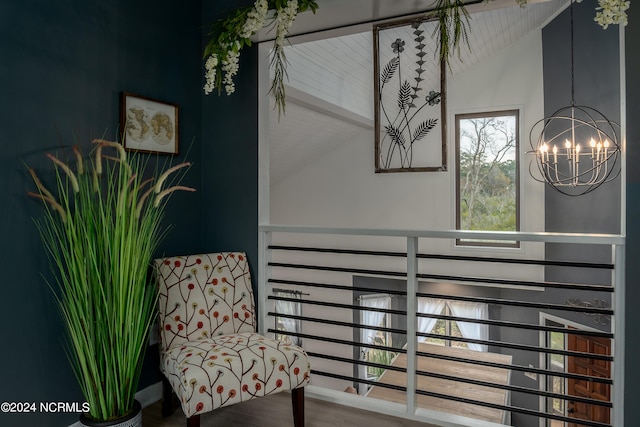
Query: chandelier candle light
[(577, 149), (581, 155)]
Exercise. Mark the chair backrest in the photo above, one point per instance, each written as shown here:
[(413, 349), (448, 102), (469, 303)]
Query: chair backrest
[(203, 296)]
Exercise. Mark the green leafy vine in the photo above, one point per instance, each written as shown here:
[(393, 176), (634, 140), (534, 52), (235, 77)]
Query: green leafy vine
[(230, 35)]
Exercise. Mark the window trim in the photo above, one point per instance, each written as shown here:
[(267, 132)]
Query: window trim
[(487, 113)]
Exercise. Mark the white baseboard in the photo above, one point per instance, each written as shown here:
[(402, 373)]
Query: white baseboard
[(150, 395), (147, 396)]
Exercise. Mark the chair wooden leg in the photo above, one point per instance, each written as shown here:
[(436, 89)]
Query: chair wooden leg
[(297, 401), (167, 398), (193, 421)]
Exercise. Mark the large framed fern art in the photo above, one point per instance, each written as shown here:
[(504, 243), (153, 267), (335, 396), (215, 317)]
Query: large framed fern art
[(410, 107)]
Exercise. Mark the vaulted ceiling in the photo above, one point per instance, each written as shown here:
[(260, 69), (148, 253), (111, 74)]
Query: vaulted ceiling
[(330, 93)]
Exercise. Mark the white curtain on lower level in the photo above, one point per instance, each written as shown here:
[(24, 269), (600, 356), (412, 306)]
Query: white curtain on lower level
[(292, 308), (474, 310), (370, 318), (428, 306)]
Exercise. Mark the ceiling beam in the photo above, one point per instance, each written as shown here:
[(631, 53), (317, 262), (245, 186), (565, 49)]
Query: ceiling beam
[(306, 100)]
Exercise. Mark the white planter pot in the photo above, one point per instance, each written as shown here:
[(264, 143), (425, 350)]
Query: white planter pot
[(134, 419)]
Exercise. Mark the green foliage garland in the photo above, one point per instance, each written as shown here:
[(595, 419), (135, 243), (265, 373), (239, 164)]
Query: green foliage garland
[(230, 35), (453, 21)]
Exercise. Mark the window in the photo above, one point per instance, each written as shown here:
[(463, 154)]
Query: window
[(452, 328), (449, 328), (287, 324), (487, 178)]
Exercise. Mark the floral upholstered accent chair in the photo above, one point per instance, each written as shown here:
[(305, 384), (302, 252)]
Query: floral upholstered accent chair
[(210, 353)]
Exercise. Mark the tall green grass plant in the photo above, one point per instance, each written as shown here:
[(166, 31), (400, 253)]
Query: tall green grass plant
[(101, 228)]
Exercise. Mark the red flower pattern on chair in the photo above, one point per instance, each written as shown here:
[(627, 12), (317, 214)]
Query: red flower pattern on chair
[(210, 352)]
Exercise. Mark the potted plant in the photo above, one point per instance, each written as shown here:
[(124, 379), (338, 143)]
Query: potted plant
[(101, 226)]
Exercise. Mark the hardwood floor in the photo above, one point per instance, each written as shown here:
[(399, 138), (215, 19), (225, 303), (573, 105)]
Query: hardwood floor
[(275, 411)]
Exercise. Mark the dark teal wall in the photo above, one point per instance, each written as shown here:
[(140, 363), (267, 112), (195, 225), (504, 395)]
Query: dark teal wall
[(64, 64), (230, 154), (632, 336), (597, 85)]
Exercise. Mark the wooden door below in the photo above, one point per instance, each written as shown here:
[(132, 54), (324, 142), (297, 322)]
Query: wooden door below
[(589, 389)]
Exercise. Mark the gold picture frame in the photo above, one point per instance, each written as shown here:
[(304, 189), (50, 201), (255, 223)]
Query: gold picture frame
[(149, 125)]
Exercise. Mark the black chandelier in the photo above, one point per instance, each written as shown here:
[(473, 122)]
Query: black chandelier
[(576, 149)]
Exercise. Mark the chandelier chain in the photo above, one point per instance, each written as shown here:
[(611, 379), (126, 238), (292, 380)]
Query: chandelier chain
[(573, 101)]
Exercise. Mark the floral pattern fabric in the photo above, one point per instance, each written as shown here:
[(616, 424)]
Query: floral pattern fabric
[(210, 352)]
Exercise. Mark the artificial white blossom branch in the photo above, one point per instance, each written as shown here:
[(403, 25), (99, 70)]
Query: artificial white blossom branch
[(222, 53), (229, 36)]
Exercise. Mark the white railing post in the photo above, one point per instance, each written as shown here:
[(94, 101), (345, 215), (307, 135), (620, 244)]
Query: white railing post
[(264, 272), (412, 285), (619, 284)]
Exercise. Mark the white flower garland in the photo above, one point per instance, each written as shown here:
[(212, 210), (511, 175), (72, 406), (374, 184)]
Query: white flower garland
[(611, 12), (210, 75), (223, 52), (285, 18), (230, 67), (255, 19)]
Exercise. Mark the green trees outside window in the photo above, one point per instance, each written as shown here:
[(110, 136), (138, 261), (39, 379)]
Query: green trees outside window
[(487, 178)]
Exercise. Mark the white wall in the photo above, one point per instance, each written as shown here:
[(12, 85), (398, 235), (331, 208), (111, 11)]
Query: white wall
[(341, 189), (510, 79)]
